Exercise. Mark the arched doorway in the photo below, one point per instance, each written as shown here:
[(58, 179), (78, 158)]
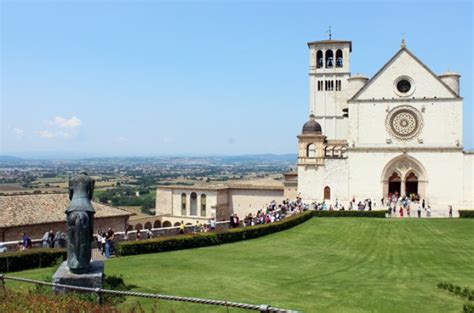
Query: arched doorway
[(157, 224), (406, 175), (411, 185), (394, 184), (148, 225), (166, 224), (327, 193), (138, 226)]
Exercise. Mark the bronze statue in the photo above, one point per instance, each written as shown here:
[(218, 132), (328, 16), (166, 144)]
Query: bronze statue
[(80, 223)]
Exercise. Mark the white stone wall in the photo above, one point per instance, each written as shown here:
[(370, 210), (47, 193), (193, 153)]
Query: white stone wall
[(164, 202), (425, 84), (367, 124), (469, 180), (334, 174), (444, 170), (245, 201)]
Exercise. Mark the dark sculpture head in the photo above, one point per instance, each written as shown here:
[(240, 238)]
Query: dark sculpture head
[(81, 185)]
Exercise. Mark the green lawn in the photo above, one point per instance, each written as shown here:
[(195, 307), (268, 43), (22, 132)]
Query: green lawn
[(324, 265)]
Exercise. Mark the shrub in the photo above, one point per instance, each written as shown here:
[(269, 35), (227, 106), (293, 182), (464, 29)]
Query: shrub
[(32, 301), (465, 292), (466, 213), (378, 214), (22, 260), (468, 308), (208, 239)]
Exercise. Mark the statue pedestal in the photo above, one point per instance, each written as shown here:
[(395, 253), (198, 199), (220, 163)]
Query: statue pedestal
[(91, 279)]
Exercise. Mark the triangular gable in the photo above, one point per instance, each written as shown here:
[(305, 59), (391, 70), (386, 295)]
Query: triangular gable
[(436, 88)]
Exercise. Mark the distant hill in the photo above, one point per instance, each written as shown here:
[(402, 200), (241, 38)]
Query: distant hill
[(7, 159)]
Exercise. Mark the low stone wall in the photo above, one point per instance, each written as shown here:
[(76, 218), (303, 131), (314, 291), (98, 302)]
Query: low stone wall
[(37, 231), (163, 232), (130, 235)]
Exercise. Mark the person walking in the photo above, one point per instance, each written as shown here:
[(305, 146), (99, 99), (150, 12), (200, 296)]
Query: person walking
[(181, 228), (418, 211), (109, 236), (450, 210), (51, 239), (45, 240), (401, 211)]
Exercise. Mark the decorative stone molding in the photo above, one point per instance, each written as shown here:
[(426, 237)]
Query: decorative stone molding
[(404, 122)]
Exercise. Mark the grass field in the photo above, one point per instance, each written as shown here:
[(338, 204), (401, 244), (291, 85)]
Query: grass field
[(324, 265)]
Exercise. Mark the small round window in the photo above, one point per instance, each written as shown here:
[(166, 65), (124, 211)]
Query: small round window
[(403, 86)]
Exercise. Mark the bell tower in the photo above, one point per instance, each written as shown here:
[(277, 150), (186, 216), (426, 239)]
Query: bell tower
[(329, 69)]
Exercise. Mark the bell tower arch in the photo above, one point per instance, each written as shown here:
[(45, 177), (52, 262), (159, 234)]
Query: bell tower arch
[(329, 69)]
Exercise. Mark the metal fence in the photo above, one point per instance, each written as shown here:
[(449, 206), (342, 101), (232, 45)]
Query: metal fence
[(100, 292)]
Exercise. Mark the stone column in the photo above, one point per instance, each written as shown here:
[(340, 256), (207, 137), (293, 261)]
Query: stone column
[(402, 188)]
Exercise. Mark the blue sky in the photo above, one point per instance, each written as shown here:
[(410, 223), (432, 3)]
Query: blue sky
[(154, 78)]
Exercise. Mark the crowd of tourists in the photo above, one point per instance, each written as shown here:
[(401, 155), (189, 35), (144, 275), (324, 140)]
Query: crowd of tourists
[(52, 240), (394, 204)]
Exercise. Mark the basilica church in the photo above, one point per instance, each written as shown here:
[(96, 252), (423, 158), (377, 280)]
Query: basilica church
[(400, 132)]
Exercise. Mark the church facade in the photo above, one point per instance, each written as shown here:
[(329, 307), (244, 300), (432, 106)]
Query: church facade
[(399, 132)]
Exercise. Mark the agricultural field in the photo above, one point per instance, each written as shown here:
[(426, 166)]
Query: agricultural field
[(323, 265)]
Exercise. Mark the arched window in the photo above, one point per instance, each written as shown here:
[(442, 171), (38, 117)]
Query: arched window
[(166, 224), (329, 59), (183, 204), (193, 203), (327, 193), (311, 151), (157, 224), (148, 225), (319, 59), (203, 205), (339, 60)]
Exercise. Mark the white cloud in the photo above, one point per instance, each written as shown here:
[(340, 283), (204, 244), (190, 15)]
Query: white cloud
[(45, 134), (69, 125), (62, 122)]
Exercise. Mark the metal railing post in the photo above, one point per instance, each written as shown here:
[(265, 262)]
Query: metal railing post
[(2, 279), (100, 299)]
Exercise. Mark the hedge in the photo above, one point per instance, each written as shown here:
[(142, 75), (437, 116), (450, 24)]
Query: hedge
[(377, 214), (466, 213), (208, 239), (35, 258)]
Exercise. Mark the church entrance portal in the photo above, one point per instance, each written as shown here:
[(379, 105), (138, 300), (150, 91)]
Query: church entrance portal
[(404, 175), (394, 184)]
